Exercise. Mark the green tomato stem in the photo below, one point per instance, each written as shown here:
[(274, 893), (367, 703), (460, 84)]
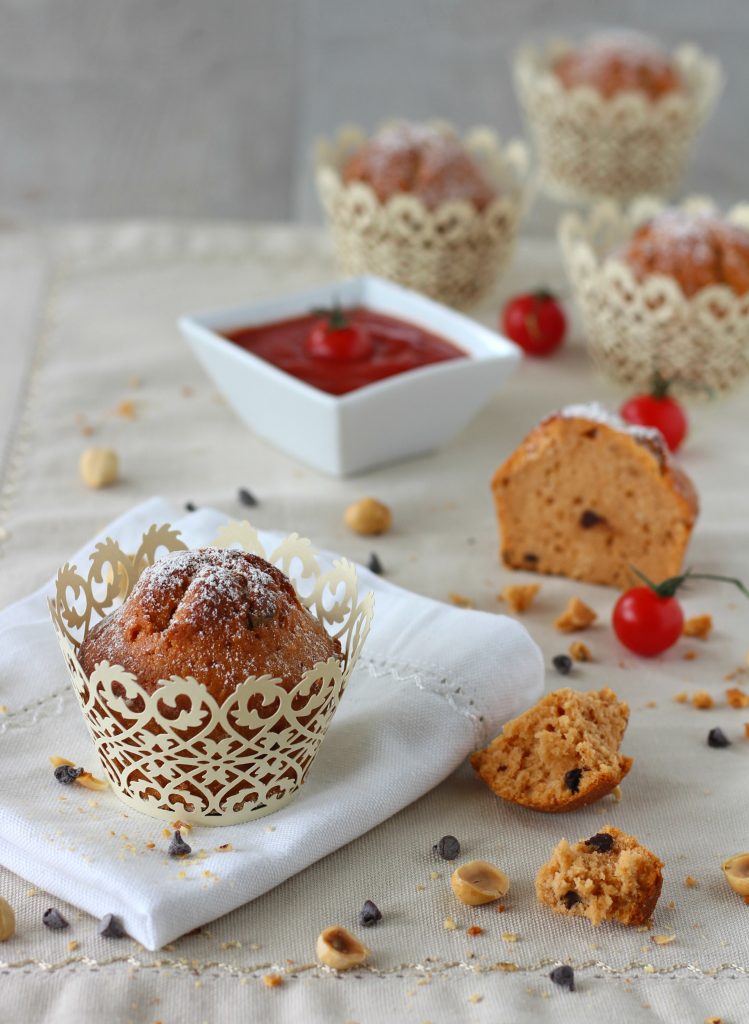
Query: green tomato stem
[(668, 588)]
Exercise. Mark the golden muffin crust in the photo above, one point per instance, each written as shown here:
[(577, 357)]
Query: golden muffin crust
[(696, 249), (602, 878), (587, 496), (421, 161), (217, 615), (559, 755), (619, 64)]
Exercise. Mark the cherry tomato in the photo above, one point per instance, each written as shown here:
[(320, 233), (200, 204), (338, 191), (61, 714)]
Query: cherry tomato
[(662, 412), (536, 322), (647, 623), (336, 337)]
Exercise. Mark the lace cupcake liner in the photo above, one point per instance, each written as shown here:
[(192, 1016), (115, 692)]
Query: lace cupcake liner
[(176, 752), (635, 328), (590, 147), (453, 253)]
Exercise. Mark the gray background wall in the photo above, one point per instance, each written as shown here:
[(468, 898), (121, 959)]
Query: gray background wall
[(208, 108)]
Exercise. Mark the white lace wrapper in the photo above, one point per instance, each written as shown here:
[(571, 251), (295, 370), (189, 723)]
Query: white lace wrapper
[(588, 146), (177, 752), (453, 253), (634, 328)]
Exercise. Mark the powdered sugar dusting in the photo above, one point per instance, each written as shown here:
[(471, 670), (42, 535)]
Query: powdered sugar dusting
[(423, 160), (597, 413)]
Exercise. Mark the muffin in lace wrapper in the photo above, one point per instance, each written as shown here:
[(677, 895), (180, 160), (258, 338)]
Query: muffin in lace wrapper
[(177, 752), (453, 253), (637, 328), (626, 145)]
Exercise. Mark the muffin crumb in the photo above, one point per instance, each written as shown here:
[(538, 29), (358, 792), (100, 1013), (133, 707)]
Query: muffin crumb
[(580, 651), (699, 627), (702, 700), (576, 616), (519, 596), (737, 698)]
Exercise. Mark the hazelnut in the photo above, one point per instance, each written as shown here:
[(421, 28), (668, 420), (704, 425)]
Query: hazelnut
[(7, 920), (339, 949), (736, 870), (368, 516), (99, 467), (479, 882)]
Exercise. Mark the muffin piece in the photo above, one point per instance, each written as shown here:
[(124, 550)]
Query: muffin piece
[(218, 615), (696, 249), (622, 63), (608, 877), (587, 496), (421, 161), (559, 755)]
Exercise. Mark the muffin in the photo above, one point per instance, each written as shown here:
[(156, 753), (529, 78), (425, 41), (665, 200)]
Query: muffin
[(663, 290), (559, 755), (614, 116), (208, 691), (615, 64), (608, 877), (587, 496), (697, 249), (419, 160), (216, 615), (417, 204)]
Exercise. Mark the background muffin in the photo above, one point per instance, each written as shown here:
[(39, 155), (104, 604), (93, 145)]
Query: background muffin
[(697, 249), (418, 205), (622, 63), (663, 291), (422, 161), (614, 116)]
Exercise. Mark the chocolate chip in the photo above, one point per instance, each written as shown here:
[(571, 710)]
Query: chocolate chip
[(65, 774), (447, 848), (190, 506), (369, 914), (246, 498), (570, 899), (562, 663), (601, 842), (717, 738), (529, 556), (564, 976), (375, 565), (572, 779), (178, 847), (110, 927), (53, 919), (590, 518)]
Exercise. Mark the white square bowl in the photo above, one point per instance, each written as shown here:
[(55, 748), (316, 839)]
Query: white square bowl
[(405, 415)]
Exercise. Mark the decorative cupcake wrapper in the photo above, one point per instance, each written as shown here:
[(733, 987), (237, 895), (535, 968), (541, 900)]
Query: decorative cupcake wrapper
[(591, 147), (635, 328), (177, 753), (453, 253)]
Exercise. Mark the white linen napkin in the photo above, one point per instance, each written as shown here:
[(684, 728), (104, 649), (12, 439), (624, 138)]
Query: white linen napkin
[(433, 683)]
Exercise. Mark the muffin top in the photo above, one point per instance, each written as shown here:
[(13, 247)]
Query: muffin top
[(217, 615), (421, 161), (696, 249), (620, 63)]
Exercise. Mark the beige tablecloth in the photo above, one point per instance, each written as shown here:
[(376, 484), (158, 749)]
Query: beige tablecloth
[(89, 325)]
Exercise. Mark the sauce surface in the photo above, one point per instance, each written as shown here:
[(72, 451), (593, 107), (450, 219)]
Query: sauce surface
[(397, 346)]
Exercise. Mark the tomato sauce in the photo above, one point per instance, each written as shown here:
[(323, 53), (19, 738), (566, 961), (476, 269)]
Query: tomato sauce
[(396, 347)]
